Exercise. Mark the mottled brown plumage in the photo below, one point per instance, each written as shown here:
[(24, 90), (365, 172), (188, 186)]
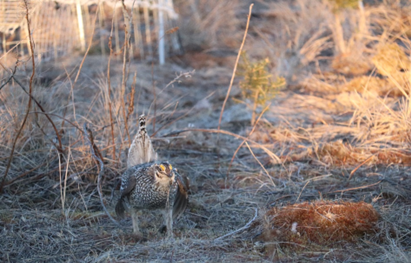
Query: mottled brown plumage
[(151, 184)]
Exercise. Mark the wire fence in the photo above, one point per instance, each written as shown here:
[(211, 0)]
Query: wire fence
[(60, 27)]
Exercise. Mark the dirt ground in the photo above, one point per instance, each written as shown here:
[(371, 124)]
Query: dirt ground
[(324, 127)]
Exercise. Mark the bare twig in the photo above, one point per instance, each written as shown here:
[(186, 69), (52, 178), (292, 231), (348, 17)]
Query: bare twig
[(97, 156), (240, 229), (154, 97), (238, 148), (356, 188), (125, 75), (261, 165), (26, 5), (297, 199), (109, 90), (234, 69), (60, 146), (64, 187), (12, 74), (91, 139), (130, 108), (354, 170), (85, 54), (60, 117), (24, 174)]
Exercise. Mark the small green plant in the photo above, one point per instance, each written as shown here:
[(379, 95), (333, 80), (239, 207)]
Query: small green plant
[(341, 4), (258, 84)]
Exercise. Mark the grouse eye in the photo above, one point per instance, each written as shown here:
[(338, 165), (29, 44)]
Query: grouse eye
[(162, 167)]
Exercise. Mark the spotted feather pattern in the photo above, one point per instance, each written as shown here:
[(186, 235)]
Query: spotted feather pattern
[(142, 187), (141, 150)]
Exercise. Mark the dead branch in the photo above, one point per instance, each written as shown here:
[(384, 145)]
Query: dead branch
[(31, 44), (243, 142), (97, 156), (240, 229), (109, 88), (11, 76), (60, 147), (354, 170), (357, 188)]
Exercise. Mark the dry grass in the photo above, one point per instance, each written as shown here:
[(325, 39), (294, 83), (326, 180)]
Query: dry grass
[(321, 224), (342, 114)]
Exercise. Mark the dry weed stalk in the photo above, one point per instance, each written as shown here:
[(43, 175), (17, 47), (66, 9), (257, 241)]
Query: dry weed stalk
[(235, 67), (11, 76), (130, 108), (58, 136), (97, 156), (243, 142), (109, 92), (125, 76), (261, 165), (63, 187), (26, 6), (84, 58), (248, 225)]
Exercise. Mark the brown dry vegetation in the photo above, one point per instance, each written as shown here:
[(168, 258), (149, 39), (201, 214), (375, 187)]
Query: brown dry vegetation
[(346, 112), (318, 224)]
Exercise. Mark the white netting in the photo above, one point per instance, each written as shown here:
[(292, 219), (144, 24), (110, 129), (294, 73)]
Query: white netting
[(59, 26), (164, 5), (12, 11), (11, 15)]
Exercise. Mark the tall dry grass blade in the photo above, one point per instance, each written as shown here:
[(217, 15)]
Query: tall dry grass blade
[(85, 55), (357, 167), (63, 187), (109, 102), (261, 165), (234, 69), (130, 108), (125, 76)]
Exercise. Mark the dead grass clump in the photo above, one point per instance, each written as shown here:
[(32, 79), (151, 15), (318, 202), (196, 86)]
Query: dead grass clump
[(324, 223), (392, 62), (364, 84), (337, 153), (208, 24), (391, 59), (352, 64)]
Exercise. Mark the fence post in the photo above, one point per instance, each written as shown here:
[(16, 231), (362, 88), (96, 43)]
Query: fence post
[(81, 26), (161, 39)]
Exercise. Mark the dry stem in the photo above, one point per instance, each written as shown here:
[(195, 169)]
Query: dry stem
[(26, 5), (97, 156), (240, 229), (109, 91), (234, 69)]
